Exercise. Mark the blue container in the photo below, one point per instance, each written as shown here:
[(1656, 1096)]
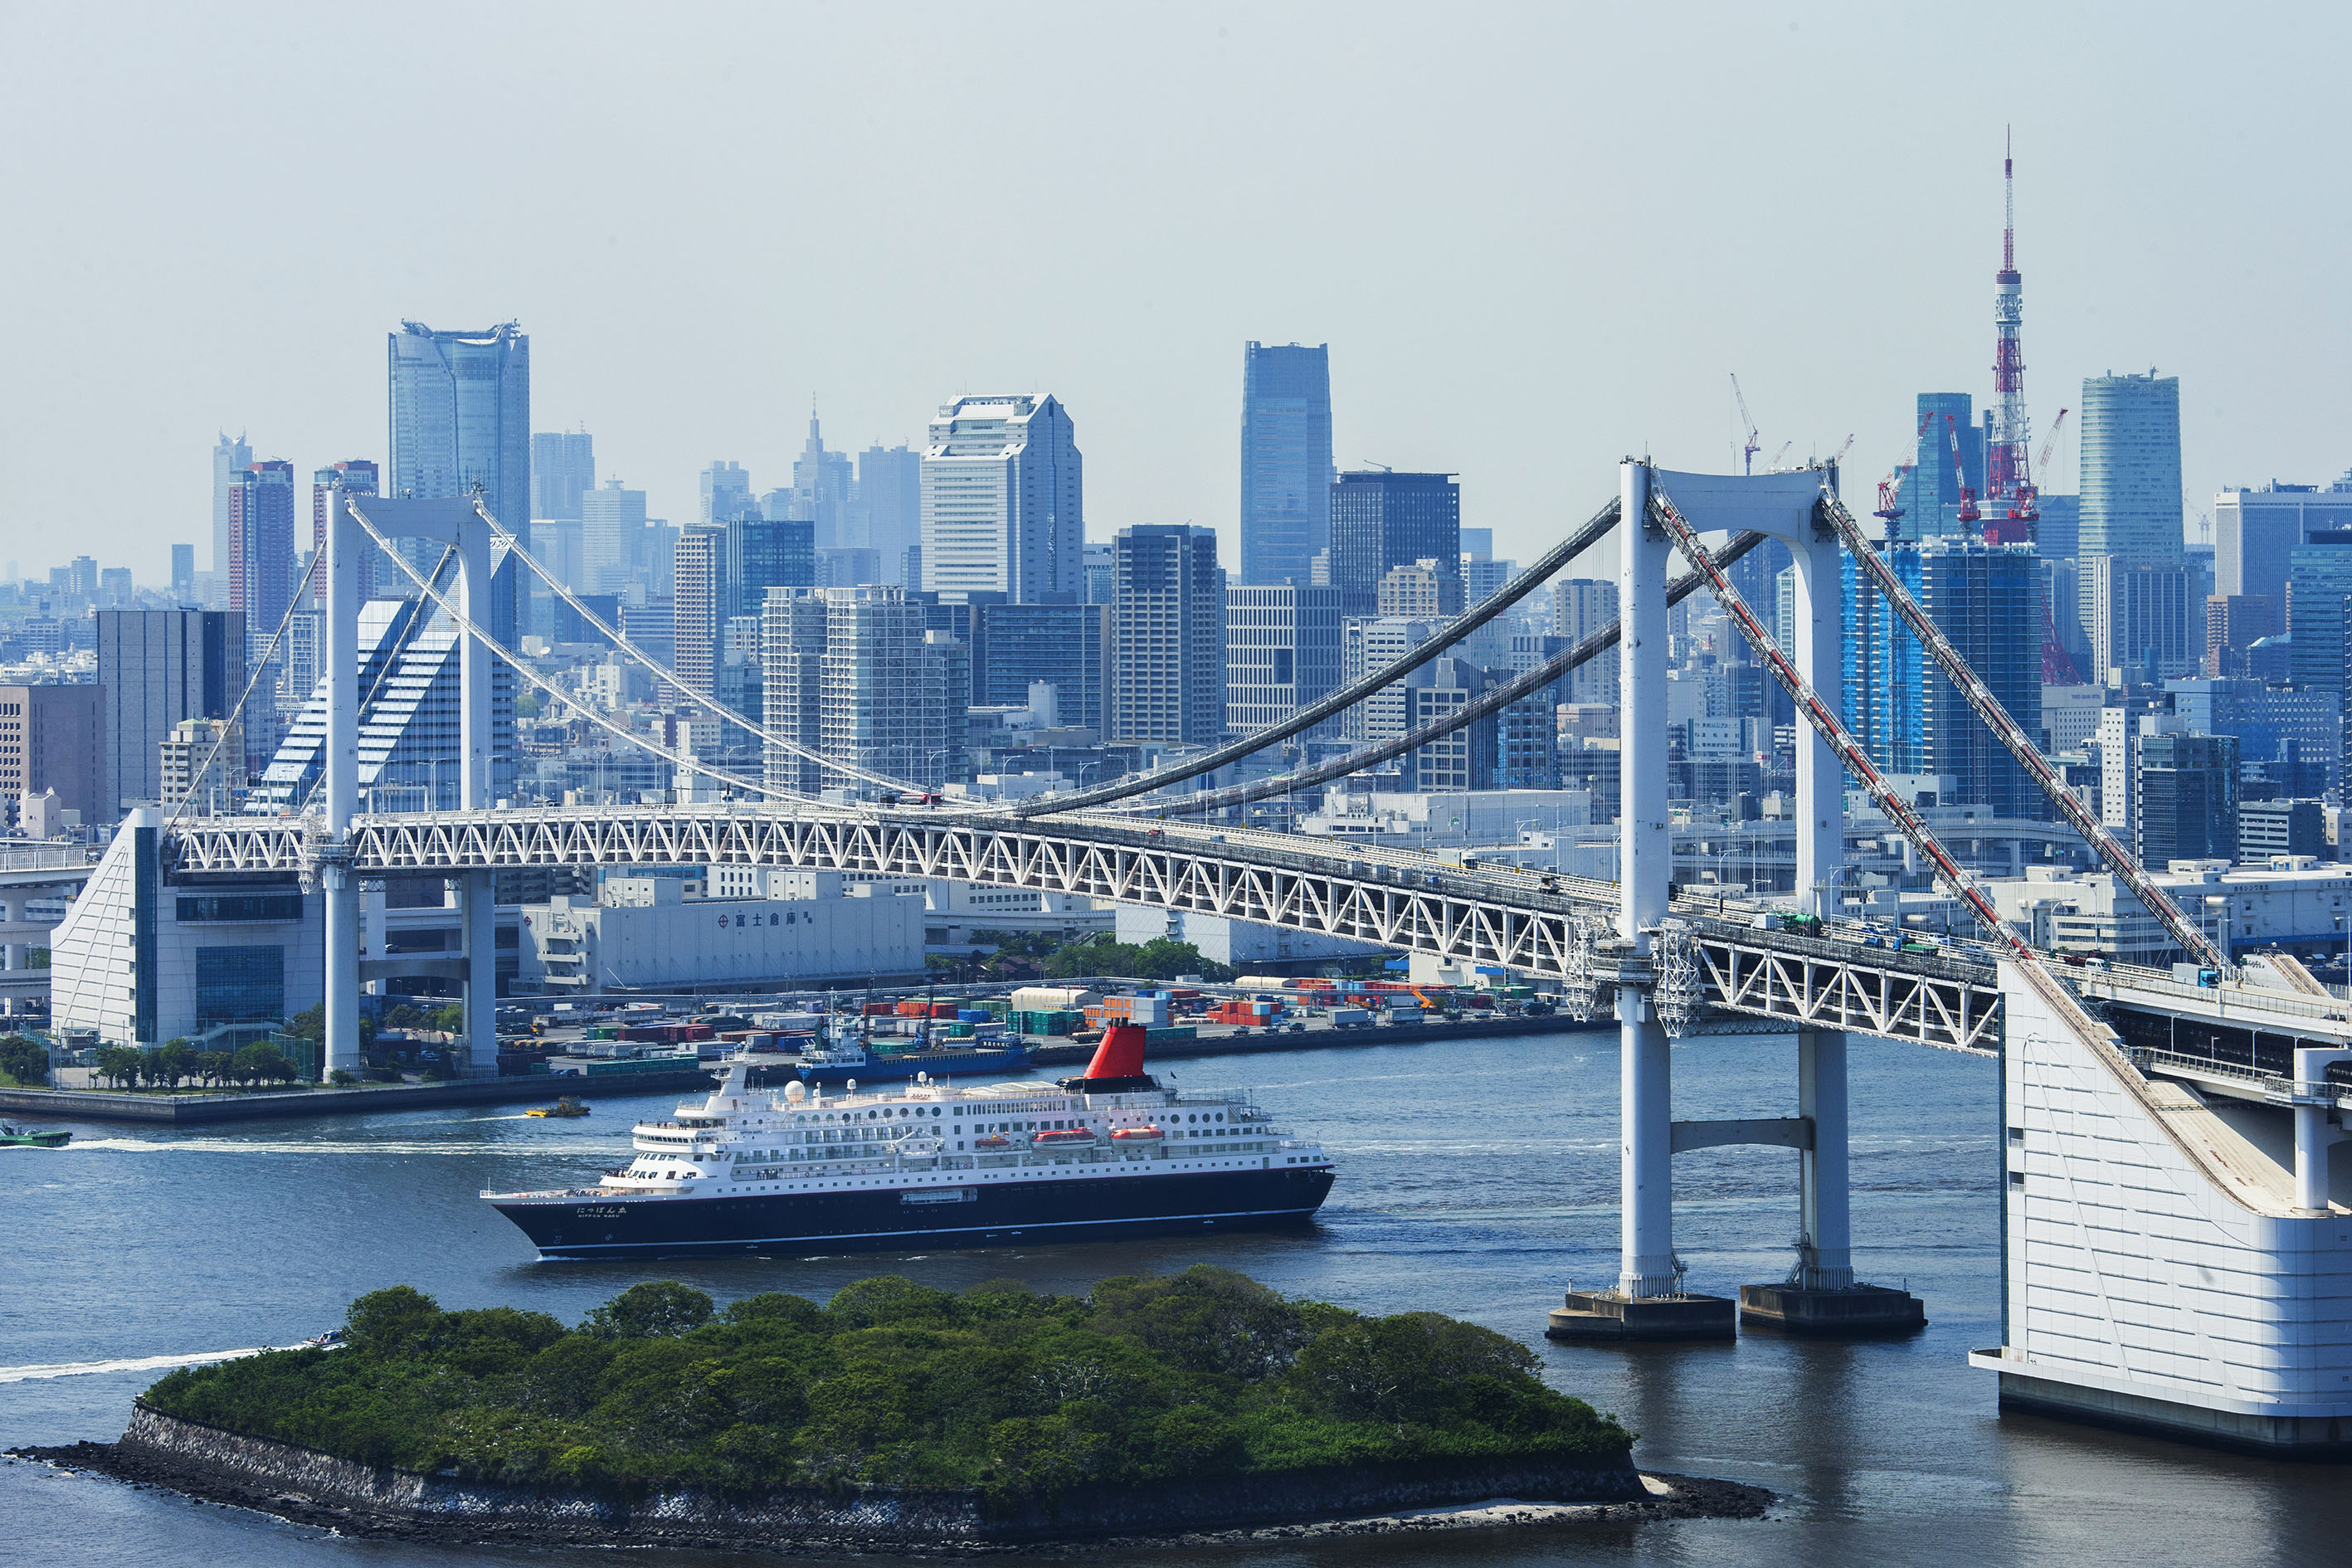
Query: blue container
[(973, 1015)]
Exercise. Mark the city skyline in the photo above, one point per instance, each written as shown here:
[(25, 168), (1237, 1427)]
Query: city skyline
[(1453, 339)]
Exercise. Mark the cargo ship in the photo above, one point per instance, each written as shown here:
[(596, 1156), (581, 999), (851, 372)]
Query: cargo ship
[(1107, 1154)]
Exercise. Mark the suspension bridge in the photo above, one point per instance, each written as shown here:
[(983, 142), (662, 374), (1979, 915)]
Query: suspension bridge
[(2171, 1260)]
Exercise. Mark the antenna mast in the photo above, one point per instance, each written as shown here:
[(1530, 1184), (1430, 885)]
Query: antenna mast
[(2007, 480)]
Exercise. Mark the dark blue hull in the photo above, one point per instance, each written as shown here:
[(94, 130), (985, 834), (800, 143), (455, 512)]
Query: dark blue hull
[(982, 1214), (896, 1065)]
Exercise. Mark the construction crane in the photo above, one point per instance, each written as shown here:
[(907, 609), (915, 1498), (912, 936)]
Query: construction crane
[(2029, 494), (1747, 424), (1774, 466), (1890, 489), (1969, 512)]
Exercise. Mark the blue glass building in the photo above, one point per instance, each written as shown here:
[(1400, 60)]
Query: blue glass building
[(1285, 461)]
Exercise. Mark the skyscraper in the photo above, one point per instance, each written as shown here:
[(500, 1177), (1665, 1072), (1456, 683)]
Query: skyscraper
[(50, 741), (1004, 500), (562, 469), (726, 492), (2254, 530), (2319, 585), (1286, 460), (461, 419), (2131, 502), (230, 459), (1581, 606), (612, 538), (1931, 496), (1168, 626), (697, 605), (156, 669), (821, 490), (890, 507), (1066, 647), (1979, 596), (261, 545), (183, 573), (358, 478), (764, 553), (1381, 519)]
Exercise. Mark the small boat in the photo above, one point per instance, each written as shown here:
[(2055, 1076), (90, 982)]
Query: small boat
[(1067, 1135), (15, 1137), (992, 1142), (566, 1107), (1137, 1135), (325, 1342)]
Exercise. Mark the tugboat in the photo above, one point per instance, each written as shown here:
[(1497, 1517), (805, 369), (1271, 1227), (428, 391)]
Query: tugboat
[(846, 1054), (566, 1107), (1110, 1154), (15, 1137)]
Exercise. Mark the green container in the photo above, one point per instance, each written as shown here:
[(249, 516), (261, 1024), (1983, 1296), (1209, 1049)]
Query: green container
[(1175, 1032), (603, 1032), (961, 1031)]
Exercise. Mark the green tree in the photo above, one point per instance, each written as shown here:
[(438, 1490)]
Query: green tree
[(24, 1061), (214, 1067), (261, 1063), (171, 1062), (310, 1023), (390, 1320), (120, 1065), (448, 1020), (657, 1308)]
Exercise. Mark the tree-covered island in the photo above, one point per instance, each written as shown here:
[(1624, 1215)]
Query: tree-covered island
[(996, 1392)]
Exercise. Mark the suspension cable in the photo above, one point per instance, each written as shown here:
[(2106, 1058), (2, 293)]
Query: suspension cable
[(1989, 708), (1306, 718), (238, 713), (515, 548), (1520, 686), (468, 627)]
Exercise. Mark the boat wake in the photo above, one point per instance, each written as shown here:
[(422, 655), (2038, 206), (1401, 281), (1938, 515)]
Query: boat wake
[(37, 1374), (266, 1146)]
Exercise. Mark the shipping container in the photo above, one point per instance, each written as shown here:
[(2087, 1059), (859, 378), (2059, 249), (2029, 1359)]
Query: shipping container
[(1351, 1018)]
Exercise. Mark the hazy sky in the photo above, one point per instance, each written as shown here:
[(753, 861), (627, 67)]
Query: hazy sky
[(1536, 238)]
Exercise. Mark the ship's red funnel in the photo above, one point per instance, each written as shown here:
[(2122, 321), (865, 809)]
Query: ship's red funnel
[(1120, 1054)]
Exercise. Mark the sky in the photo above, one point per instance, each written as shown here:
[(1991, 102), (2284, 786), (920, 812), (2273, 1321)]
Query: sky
[(1536, 239)]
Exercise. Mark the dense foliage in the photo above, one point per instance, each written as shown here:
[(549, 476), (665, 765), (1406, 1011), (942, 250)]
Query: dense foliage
[(175, 1062), (23, 1063), (895, 1383)]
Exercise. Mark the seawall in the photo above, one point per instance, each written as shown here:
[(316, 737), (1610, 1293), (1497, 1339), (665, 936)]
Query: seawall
[(301, 1482)]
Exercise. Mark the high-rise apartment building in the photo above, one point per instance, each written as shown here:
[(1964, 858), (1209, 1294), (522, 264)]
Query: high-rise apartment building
[(1286, 470), (2131, 501), (261, 546), (1381, 519), (1066, 647), (1882, 667), (856, 668), (358, 477), (726, 492), (1423, 588), (698, 607), (230, 459), (1367, 643), (2255, 530), (612, 538), (1282, 652), (1102, 575), (562, 469), (50, 741), (888, 510), (1004, 500), (1169, 680), (1581, 606), (156, 669), (2057, 534)]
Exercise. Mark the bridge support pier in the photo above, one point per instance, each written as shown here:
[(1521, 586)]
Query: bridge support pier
[(1648, 1302)]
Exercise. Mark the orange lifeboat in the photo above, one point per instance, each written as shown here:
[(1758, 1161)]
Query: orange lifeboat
[(1063, 1136), (994, 1141), (1135, 1135)]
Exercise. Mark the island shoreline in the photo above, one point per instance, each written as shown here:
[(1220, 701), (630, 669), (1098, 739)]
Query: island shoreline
[(306, 1486)]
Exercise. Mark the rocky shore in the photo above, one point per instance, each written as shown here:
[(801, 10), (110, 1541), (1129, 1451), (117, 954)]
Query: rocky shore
[(309, 1486)]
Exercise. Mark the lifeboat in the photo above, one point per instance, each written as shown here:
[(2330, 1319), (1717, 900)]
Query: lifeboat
[(994, 1141), (1132, 1136), (1064, 1136)]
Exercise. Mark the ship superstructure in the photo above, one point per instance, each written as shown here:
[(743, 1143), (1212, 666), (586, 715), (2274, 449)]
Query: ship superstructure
[(1108, 1152)]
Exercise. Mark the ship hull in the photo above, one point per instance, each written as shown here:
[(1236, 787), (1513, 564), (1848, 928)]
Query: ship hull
[(984, 1214)]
